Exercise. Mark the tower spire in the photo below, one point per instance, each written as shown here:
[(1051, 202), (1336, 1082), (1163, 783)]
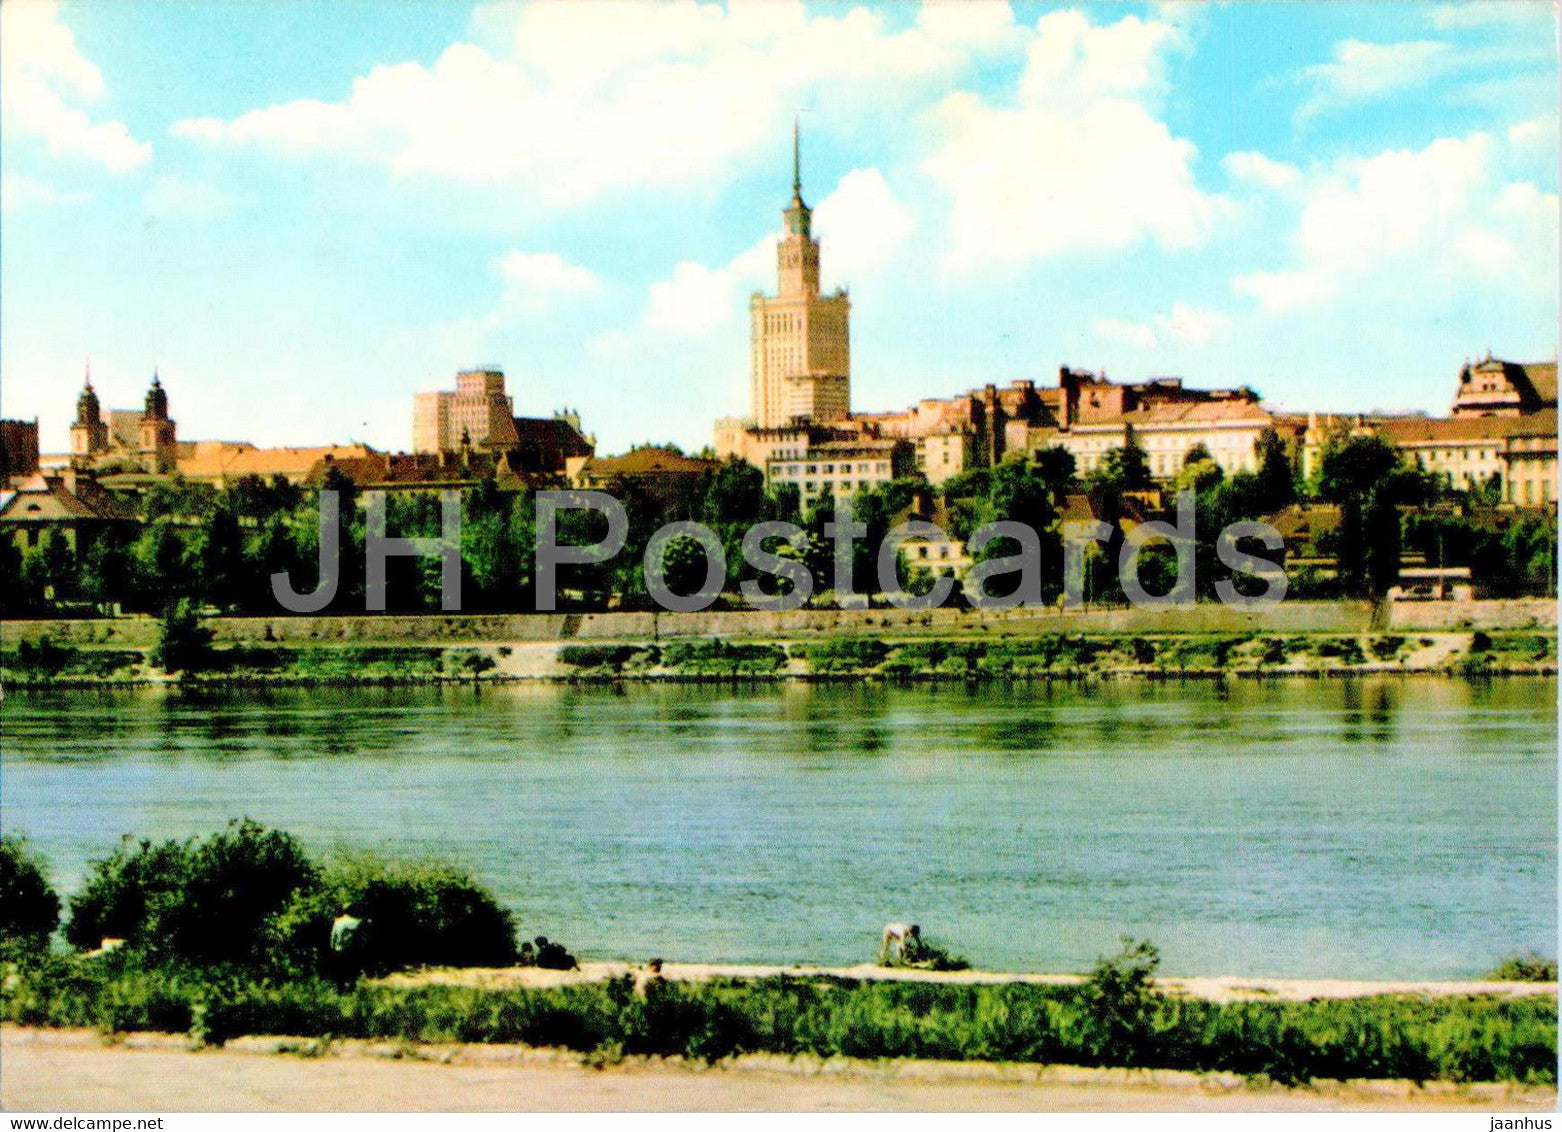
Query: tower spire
[(797, 156)]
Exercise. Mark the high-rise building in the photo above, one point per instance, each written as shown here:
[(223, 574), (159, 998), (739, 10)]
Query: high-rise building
[(479, 413), (800, 362)]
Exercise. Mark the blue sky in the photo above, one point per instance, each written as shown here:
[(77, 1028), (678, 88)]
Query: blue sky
[(303, 213)]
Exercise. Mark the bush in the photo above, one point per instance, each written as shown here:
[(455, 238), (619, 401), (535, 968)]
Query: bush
[(1531, 968), (846, 654), (29, 908), (183, 644), (1480, 641), (43, 655), (415, 914), (216, 900), (1121, 997)]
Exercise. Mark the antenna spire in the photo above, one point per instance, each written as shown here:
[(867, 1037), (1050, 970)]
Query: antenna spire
[(797, 156)]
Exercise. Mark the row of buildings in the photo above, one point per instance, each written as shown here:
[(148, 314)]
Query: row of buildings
[(1501, 428)]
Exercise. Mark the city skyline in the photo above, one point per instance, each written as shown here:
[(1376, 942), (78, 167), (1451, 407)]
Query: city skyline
[(372, 208)]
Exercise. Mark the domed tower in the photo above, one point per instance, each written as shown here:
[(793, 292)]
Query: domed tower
[(89, 435), (158, 448)]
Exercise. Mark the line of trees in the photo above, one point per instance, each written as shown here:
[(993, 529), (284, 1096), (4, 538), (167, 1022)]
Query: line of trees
[(217, 549)]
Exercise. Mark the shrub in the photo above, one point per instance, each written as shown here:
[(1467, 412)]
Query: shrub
[(1121, 997), (1143, 650), (216, 900), (44, 655), (1386, 648), (722, 658), (29, 908), (415, 914), (1480, 641), (846, 654), (597, 656), (1530, 968), (183, 644)]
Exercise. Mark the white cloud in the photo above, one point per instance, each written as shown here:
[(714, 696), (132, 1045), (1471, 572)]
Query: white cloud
[(862, 226), (1079, 162), (1185, 325), (1256, 169), (1538, 135), (174, 196), (1282, 292), (42, 75), (18, 192), (585, 99), (1489, 13), (697, 299), (1363, 71), (1440, 216), (534, 282)]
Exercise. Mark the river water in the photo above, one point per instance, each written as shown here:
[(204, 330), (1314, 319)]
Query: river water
[(1367, 828)]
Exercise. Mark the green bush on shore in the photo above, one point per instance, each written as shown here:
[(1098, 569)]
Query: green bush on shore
[(254, 899), (416, 914), (1530, 968), (29, 907)]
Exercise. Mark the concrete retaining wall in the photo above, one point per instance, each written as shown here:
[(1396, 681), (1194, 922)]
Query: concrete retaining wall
[(1288, 617)]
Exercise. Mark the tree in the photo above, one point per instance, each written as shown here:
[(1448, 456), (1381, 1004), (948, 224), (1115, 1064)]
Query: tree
[(29, 908), (1367, 480), (1276, 487), (183, 644), (1126, 468)]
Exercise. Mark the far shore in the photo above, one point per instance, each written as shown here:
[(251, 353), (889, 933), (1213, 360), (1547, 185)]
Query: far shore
[(80, 660)]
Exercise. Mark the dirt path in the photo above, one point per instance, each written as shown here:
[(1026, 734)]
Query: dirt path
[(1225, 988), (75, 1072)]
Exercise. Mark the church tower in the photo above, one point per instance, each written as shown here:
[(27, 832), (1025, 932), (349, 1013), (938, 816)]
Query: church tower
[(89, 435), (800, 345), (157, 445)]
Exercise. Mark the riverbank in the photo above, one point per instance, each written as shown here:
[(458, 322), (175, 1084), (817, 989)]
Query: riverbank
[(78, 1070), (1215, 989), (44, 661)]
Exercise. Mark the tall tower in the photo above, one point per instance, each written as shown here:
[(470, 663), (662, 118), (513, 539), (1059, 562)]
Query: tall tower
[(800, 344), (156, 433), (89, 435)]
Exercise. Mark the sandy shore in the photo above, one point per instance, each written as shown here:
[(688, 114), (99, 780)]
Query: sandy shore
[(74, 1070), (1224, 988)]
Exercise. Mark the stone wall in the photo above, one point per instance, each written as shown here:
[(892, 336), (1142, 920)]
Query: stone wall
[(439, 629)]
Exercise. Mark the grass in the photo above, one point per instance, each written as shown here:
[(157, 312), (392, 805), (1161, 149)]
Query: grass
[(1122, 1024)]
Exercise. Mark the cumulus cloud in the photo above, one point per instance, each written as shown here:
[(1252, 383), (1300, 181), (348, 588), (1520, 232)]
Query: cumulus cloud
[(1361, 72), (579, 100), (1080, 161), (1256, 169), (862, 226), (43, 78), (535, 282), (18, 192), (1442, 214), (1185, 325)]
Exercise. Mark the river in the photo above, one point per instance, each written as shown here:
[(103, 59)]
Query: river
[(1362, 828)]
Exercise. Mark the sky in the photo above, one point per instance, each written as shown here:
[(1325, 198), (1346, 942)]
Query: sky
[(300, 214)]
